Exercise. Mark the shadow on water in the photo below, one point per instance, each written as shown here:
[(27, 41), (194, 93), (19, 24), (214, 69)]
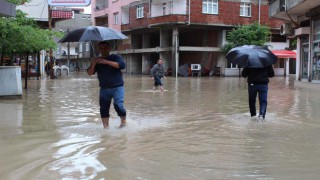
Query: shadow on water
[(199, 128)]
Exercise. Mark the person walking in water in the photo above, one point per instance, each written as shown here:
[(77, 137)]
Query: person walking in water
[(258, 79), (157, 72), (111, 83)]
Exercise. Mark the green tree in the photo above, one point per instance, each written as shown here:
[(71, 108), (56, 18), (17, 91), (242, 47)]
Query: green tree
[(18, 2), (21, 35), (253, 34)]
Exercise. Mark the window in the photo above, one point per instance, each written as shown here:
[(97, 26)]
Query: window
[(116, 18), (80, 47), (167, 8), (210, 7), (87, 46), (170, 4), (245, 9), (164, 8), (140, 11), (58, 50)]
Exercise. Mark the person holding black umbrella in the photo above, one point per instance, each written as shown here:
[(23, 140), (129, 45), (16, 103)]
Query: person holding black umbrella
[(257, 62), (111, 83), (258, 79)]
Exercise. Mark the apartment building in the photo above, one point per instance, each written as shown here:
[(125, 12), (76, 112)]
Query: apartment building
[(181, 31), (302, 21)]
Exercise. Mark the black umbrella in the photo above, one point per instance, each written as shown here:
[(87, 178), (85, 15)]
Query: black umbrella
[(92, 33), (251, 56)]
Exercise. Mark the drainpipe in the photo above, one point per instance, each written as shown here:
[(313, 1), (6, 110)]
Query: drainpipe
[(149, 8), (259, 10), (189, 12), (68, 51)]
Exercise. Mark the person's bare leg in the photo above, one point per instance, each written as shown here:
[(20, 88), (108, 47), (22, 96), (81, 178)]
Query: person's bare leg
[(154, 88), (161, 88), (105, 122), (123, 122)]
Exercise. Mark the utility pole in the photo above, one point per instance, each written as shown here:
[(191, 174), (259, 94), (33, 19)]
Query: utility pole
[(68, 55), (50, 51)]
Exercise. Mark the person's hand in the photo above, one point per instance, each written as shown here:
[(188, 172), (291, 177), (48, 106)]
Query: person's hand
[(94, 61), (99, 61)]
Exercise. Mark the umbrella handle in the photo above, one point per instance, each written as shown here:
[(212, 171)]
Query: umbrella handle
[(94, 51)]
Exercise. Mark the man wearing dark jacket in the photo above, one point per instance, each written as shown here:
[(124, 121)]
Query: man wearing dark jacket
[(157, 72), (111, 83), (258, 79)]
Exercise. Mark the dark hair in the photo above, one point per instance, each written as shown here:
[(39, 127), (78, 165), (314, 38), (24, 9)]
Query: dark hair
[(104, 43)]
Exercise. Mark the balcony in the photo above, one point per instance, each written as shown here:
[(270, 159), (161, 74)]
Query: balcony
[(168, 20), (295, 9), (100, 5)]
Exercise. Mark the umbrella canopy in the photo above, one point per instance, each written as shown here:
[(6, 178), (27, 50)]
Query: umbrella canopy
[(92, 33), (251, 56)]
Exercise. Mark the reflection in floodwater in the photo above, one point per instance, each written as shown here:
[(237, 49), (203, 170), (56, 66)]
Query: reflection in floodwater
[(199, 128)]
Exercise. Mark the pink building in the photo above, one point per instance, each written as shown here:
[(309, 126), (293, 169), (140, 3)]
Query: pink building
[(109, 12)]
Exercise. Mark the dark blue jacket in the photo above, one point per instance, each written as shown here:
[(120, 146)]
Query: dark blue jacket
[(108, 76)]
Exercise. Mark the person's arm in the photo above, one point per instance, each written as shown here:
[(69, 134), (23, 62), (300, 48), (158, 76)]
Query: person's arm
[(110, 63), (118, 62), (152, 71), (270, 71), (163, 74), (245, 72), (91, 69)]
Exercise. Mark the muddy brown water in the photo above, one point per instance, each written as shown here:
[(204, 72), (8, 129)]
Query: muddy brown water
[(199, 128)]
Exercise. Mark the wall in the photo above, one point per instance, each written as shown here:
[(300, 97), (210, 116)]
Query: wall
[(7, 9), (10, 80), (36, 9)]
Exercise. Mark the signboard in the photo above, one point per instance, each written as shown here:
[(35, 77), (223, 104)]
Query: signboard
[(69, 2)]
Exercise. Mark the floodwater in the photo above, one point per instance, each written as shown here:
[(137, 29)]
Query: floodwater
[(199, 128)]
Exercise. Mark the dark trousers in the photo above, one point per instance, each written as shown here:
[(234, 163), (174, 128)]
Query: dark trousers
[(157, 81), (254, 90)]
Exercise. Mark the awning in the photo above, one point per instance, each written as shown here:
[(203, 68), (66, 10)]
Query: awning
[(284, 53), (61, 14)]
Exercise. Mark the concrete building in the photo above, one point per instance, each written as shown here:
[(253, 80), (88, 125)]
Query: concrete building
[(181, 31), (7, 9), (303, 23)]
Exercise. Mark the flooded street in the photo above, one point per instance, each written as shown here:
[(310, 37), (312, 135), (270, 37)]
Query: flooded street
[(199, 128)]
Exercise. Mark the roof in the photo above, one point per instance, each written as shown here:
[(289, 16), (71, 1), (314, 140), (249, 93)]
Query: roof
[(61, 14)]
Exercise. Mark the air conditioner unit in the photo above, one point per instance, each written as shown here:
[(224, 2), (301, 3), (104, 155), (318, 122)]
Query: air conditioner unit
[(195, 67), (286, 29)]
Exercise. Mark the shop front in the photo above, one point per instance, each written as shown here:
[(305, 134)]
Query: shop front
[(316, 51)]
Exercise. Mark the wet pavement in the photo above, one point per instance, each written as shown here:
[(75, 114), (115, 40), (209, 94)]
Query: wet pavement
[(199, 128)]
